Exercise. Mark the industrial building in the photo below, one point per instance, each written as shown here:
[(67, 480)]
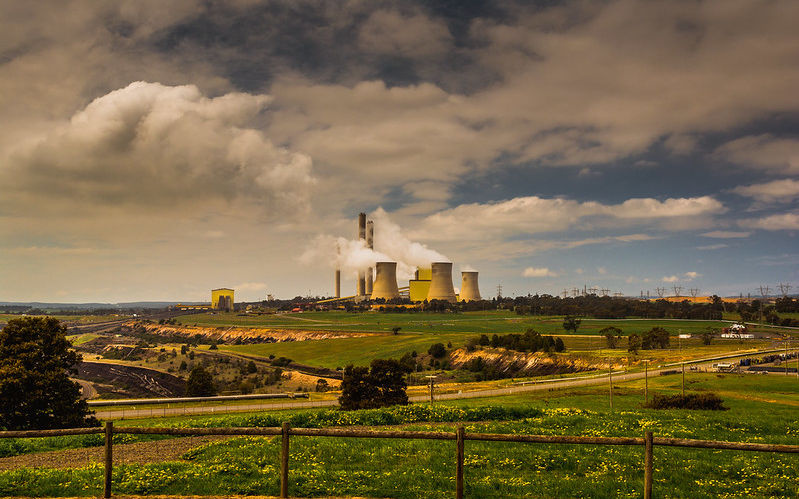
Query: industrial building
[(222, 299), (380, 281)]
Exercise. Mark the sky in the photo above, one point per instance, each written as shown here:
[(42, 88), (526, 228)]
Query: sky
[(155, 150)]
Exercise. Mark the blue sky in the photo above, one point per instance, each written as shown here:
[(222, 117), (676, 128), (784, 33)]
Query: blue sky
[(157, 150)]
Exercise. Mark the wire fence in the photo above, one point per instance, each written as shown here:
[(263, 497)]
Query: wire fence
[(459, 437)]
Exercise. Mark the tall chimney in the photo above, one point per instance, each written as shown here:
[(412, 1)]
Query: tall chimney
[(441, 282), (470, 291), (385, 281), (362, 236), (370, 243), (338, 271)]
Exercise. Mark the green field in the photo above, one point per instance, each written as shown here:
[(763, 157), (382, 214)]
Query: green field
[(468, 322), (762, 409)]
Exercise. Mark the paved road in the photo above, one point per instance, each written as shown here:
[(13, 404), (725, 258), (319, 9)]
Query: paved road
[(591, 380)]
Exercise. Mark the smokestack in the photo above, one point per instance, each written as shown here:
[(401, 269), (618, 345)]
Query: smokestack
[(370, 243), (385, 281), (361, 236), (338, 271), (441, 282), (470, 291)]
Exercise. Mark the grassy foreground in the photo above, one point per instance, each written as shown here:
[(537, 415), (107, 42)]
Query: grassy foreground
[(762, 409)]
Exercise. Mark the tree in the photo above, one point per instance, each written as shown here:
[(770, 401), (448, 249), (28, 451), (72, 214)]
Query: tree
[(383, 385), (571, 323), (708, 335), (251, 367), (437, 350), (35, 389), (612, 336), (633, 343), (657, 337), (200, 383)]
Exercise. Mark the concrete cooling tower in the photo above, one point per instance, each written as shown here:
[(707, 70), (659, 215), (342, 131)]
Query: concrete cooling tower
[(469, 288), (441, 282), (385, 284)]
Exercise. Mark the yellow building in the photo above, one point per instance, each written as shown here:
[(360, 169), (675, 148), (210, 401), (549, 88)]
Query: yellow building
[(222, 299), (419, 287)]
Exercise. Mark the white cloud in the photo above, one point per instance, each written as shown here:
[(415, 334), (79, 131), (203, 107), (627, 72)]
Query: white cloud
[(783, 221), (538, 272), (726, 234), (533, 214), (776, 191), (690, 276), (711, 247), (157, 147), (763, 151), (672, 278)]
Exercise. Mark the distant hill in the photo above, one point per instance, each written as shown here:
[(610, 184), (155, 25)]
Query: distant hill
[(91, 306)]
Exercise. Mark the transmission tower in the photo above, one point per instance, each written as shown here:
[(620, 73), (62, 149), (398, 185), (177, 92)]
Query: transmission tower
[(604, 291), (785, 288), (499, 291), (593, 290), (677, 290), (660, 291), (575, 292), (694, 292), (764, 291), (565, 293)]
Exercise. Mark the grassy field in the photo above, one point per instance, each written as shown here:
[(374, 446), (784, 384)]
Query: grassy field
[(490, 322), (762, 409)]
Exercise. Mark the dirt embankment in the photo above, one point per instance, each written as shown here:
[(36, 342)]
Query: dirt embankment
[(524, 364), (233, 334), (130, 381)]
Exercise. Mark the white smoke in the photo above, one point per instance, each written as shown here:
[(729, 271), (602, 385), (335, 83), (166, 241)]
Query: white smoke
[(352, 255)]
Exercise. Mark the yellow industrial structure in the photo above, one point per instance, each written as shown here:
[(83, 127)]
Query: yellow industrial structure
[(222, 299), (420, 286)]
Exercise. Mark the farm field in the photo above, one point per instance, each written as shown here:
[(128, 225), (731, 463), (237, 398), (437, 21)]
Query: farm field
[(490, 322), (393, 468)]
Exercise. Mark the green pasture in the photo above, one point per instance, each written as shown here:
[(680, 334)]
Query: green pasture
[(80, 339), (419, 468), (490, 322)]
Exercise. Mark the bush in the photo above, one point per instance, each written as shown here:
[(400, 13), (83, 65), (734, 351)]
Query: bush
[(694, 401), (437, 350)]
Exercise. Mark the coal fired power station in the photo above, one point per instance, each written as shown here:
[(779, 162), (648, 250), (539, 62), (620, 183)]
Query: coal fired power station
[(378, 280)]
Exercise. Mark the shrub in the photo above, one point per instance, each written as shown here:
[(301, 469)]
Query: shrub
[(694, 401), (437, 350)]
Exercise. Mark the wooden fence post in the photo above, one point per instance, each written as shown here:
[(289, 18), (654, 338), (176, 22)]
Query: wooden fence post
[(459, 440), (109, 458), (284, 461), (648, 470)]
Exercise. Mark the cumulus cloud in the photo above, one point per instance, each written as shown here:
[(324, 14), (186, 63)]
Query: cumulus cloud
[(156, 146), (538, 272), (780, 221), (764, 152), (688, 276), (776, 191), (533, 214)]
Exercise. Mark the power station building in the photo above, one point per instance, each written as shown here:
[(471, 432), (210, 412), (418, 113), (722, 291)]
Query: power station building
[(380, 281), (222, 299)]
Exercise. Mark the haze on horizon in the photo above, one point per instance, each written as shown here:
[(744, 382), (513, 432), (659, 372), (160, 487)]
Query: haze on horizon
[(153, 151)]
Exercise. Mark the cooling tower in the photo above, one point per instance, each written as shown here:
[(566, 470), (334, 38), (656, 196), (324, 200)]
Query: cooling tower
[(441, 283), (370, 243), (385, 285), (470, 291)]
